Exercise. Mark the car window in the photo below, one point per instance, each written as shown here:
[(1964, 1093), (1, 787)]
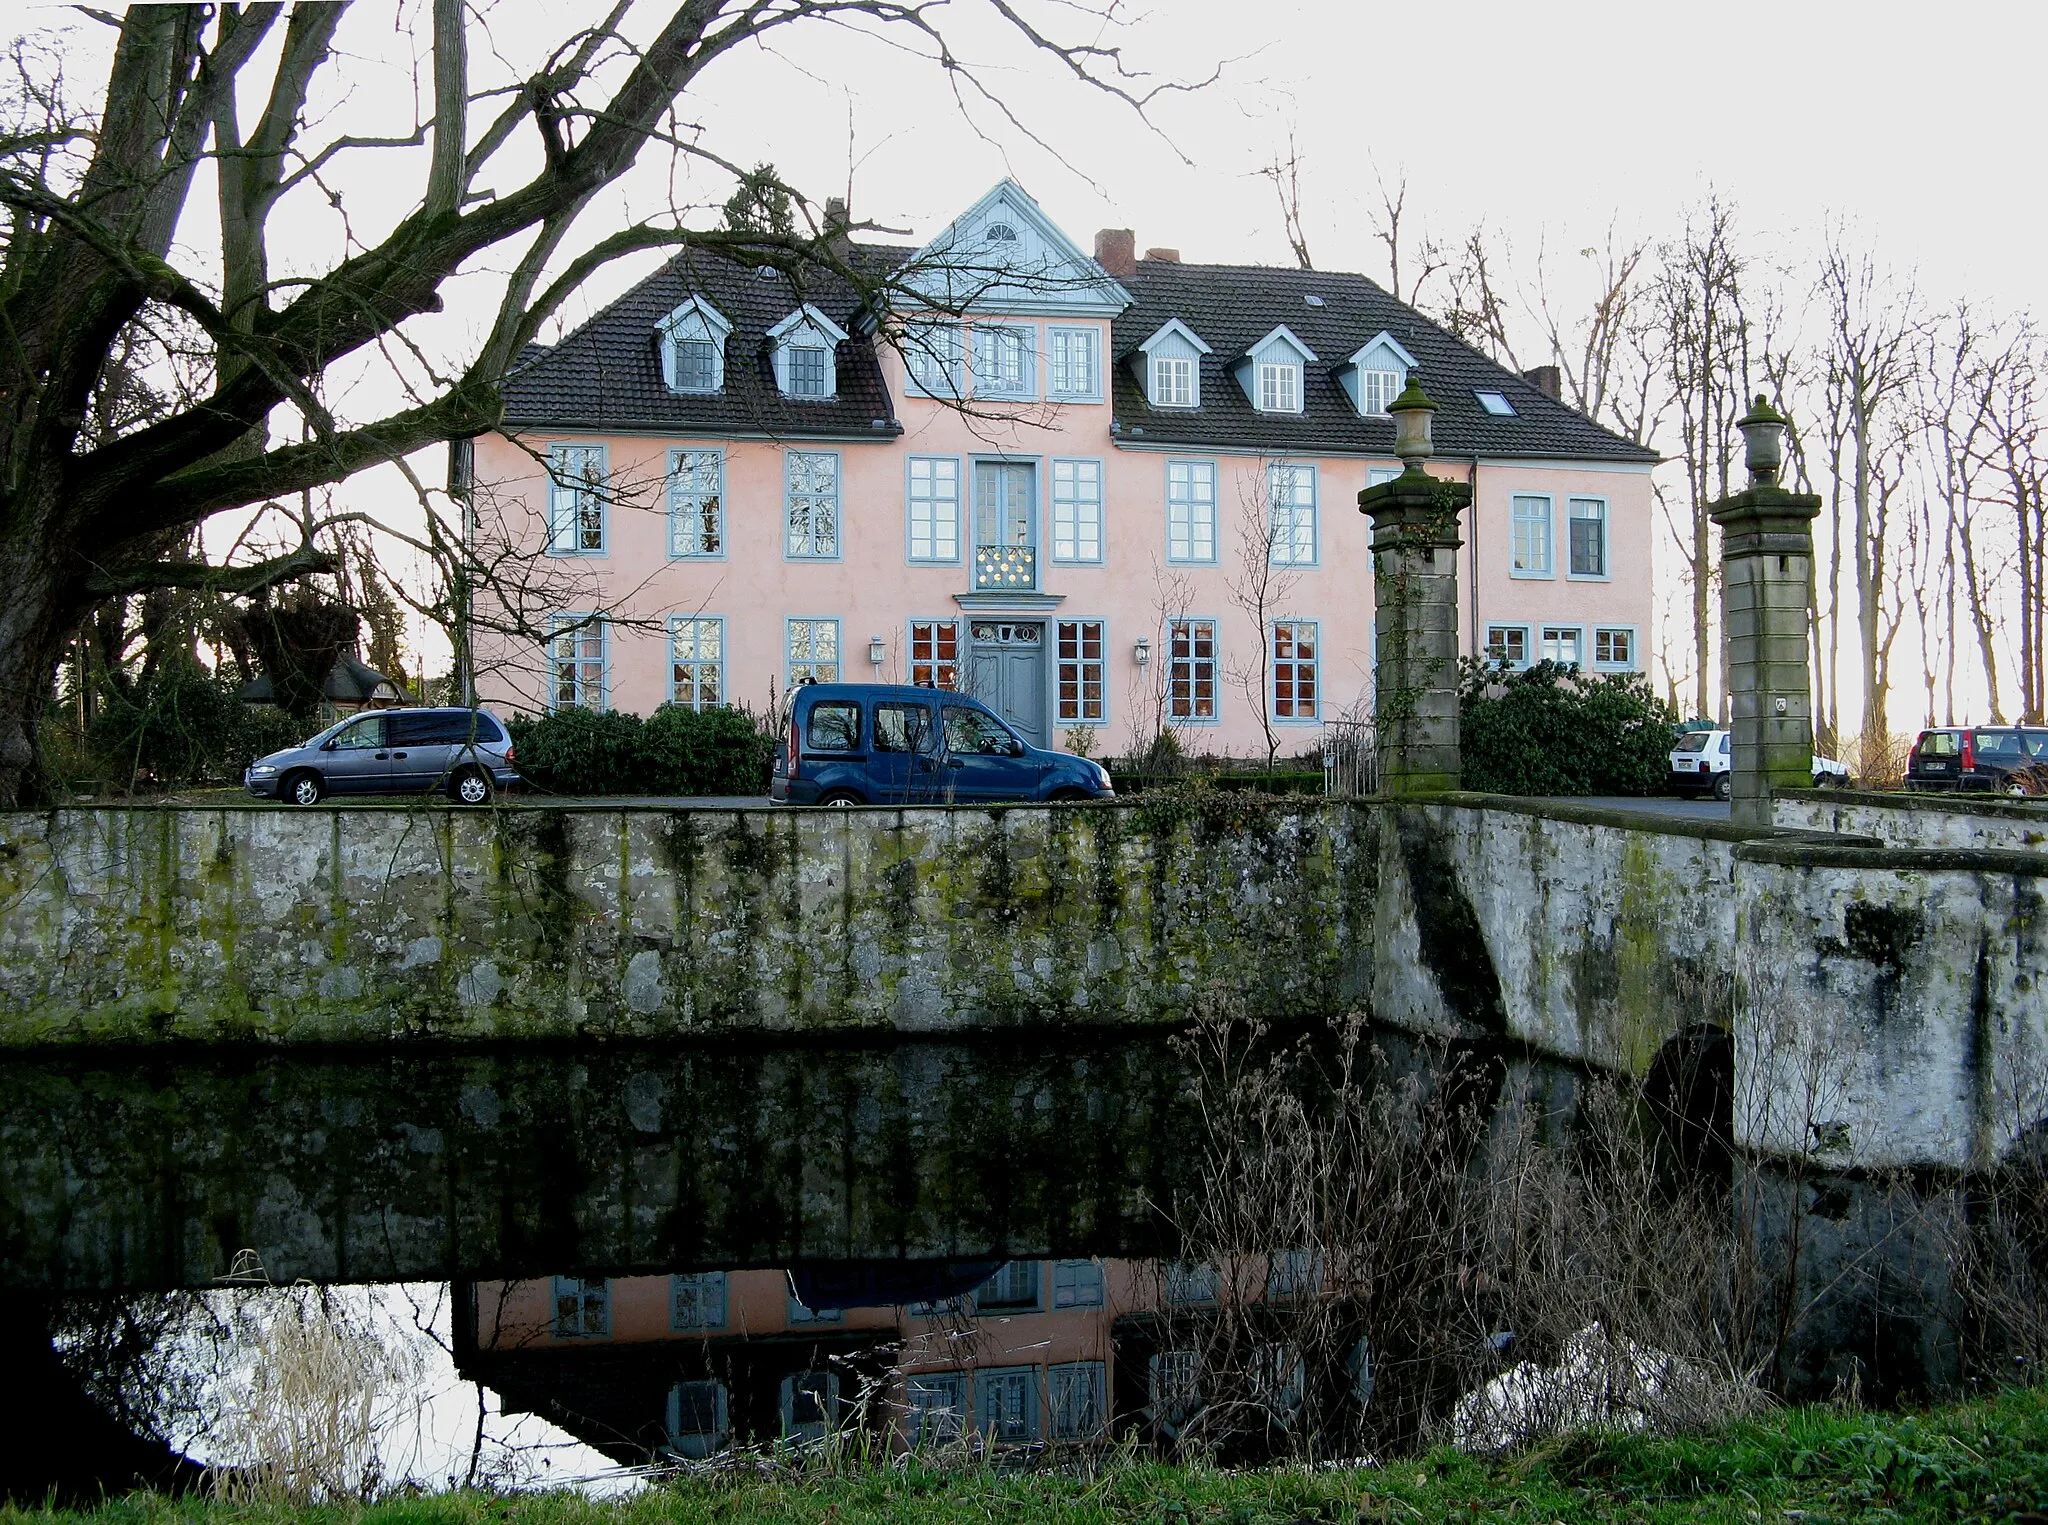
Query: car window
[(834, 727), (423, 728), (1937, 744), (361, 736), (1693, 741), (903, 728), (2036, 743), (2004, 745), (1721, 744), (974, 732)]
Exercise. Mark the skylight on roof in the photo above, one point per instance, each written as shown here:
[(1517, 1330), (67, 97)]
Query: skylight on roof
[(1496, 404), (1312, 301)]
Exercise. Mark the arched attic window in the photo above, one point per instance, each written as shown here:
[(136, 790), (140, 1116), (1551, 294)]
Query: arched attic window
[(693, 347), (806, 349), (1375, 374)]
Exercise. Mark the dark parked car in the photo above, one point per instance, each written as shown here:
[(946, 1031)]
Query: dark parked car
[(465, 752), (1976, 757), (879, 744)]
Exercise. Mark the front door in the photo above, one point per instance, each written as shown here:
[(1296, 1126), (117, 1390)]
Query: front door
[(357, 760), (1007, 673)]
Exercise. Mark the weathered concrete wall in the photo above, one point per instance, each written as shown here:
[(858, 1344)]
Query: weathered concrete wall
[(1919, 820), (385, 924)]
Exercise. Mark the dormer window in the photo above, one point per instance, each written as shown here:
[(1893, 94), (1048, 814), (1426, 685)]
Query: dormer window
[(1270, 371), (1173, 382), (806, 343), (693, 347), (1279, 388), (1376, 374), (1172, 360)]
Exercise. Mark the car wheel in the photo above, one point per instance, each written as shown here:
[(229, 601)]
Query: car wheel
[(841, 799), (1724, 786), (303, 789), (470, 787)]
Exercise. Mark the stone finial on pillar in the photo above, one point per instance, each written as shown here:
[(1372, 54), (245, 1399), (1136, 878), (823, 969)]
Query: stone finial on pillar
[(1415, 600), (1766, 569)]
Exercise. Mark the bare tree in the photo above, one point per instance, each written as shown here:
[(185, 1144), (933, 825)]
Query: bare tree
[(1261, 585), (1606, 351), (2013, 455), (1476, 309), (1871, 329), (1285, 174), (1424, 259), (101, 227)]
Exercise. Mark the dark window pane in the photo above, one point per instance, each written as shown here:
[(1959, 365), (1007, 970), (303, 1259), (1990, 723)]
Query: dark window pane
[(834, 727)]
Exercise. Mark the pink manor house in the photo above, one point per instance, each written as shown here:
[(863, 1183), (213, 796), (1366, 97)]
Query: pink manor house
[(1089, 491)]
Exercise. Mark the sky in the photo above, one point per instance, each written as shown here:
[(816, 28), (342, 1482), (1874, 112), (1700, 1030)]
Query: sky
[(1917, 129)]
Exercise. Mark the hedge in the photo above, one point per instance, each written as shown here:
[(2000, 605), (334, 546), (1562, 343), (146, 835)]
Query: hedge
[(674, 751), (1552, 729), (1258, 782), (184, 727)]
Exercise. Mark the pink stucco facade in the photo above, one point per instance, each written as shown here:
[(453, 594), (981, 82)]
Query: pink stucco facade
[(1128, 590)]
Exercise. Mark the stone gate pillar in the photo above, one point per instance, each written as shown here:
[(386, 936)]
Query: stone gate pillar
[(1766, 564), (1415, 602)]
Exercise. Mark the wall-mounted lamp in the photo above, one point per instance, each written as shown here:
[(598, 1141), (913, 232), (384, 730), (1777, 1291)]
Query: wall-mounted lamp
[(878, 650), (1142, 652)]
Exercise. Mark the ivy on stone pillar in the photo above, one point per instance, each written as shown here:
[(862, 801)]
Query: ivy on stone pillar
[(1415, 545), (1766, 564)]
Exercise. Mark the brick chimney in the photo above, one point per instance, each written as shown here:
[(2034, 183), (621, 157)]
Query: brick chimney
[(1164, 256), (1116, 250), (836, 219), (1548, 380)]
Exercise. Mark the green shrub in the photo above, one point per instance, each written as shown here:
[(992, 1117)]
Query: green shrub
[(1552, 729), (186, 726), (674, 751)]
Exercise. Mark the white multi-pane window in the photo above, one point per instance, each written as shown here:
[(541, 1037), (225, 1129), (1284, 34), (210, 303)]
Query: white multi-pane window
[(583, 1308), (576, 662), (1173, 381), (696, 503), (932, 351), (1508, 645), (696, 661), (1083, 676), (811, 490), (934, 508), (1077, 1399), (1077, 510), (1190, 510), (809, 370), (1015, 1284), (1561, 644), (937, 1407), (1279, 387), (1006, 1404), (1291, 492), (1173, 1382), (1588, 521), (1614, 647), (813, 651), (693, 347), (1077, 1284), (1296, 692), (697, 1301), (1375, 475), (699, 1422), (1376, 389), (1002, 361), (935, 653), (1191, 669), (1190, 1284), (1531, 522), (576, 494), (1070, 362)]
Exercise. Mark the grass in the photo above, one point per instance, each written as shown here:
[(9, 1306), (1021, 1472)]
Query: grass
[(1985, 1461)]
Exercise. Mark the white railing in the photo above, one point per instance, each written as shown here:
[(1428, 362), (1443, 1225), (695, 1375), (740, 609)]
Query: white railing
[(1350, 759)]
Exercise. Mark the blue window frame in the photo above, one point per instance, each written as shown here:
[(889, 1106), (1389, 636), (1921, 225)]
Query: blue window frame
[(1586, 521), (1194, 689), (697, 1301), (1072, 371), (1507, 645), (1614, 648), (696, 505), (578, 670), (696, 661), (933, 508), (576, 500), (1296, 693), (1005, 360), (811, 505), (1076, 510), (933, 351), (812, 647), (1191, 511), (1291, 498), (583, 1308), (1531, 536)]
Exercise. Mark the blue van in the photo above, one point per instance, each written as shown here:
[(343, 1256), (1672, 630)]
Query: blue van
[(886, 744)]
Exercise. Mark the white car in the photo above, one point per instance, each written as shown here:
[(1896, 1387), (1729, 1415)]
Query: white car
[(1701, 761)]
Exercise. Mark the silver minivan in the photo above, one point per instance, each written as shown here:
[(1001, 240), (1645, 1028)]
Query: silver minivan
[(465, 752)]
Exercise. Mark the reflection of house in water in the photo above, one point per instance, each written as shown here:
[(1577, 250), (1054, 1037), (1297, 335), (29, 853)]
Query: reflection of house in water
[(1064, 1351)]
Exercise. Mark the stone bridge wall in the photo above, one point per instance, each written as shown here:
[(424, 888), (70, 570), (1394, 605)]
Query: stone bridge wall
[(1885, 1000)]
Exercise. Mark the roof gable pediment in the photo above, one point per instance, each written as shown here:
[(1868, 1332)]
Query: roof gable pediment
[(1274, 345), (1382, 345), (1173, 329), (809, 317), (1003, 254)]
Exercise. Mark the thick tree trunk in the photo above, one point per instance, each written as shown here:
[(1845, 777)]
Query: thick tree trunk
[(35, 618)]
